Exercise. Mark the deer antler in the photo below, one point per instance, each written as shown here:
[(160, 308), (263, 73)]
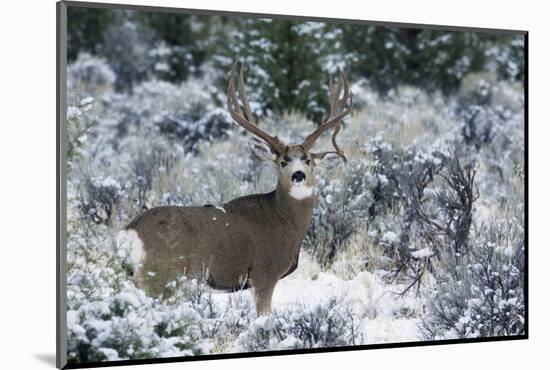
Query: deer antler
[(247, 121), (339, 108)]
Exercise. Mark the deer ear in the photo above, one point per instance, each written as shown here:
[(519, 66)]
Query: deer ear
[(261, 149), (327, 160)]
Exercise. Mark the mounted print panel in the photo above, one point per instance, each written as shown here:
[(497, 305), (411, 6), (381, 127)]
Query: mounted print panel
[(236, 185)]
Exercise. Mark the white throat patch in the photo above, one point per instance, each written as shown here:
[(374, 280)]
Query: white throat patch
[(300, 192)]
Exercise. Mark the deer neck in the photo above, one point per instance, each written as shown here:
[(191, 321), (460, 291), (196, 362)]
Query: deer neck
[(295, 210)]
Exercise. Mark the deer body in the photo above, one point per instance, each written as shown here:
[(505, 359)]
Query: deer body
[(253, 241), (249, 242)]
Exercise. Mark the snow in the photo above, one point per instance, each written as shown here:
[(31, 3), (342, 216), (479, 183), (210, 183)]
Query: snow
[(289, 343), (73, 112), (129, 298), (107, 182), (220, 208), (383, 179), (86, 101), (423, 253), (263, 322), (390, 237), (372, 300), (388, 330), (111, 354)]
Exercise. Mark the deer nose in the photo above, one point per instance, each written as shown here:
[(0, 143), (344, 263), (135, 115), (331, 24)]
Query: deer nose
[(298, 176)]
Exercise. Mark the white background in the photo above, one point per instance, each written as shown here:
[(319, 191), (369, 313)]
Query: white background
[(27, 182)]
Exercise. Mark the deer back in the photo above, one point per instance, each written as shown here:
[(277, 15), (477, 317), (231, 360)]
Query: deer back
[(250, 238)]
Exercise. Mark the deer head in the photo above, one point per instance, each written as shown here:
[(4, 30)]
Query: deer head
[(295, 163)]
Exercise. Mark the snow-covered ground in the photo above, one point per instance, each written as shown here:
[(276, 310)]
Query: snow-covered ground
[(385, 316), (370, 297)]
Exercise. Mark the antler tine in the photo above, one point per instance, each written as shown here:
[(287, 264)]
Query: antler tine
[(244, 98), (247, 122), (339, 108), (338, 126), (334, 95), (232, 101), (339, 151)]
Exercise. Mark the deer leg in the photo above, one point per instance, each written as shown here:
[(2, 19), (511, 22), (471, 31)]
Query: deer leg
[(262, 299)]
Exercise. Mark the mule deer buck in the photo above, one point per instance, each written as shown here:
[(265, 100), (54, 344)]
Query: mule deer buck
[(249, 242)]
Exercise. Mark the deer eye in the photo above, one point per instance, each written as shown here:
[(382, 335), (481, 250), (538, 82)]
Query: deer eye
[(283, 164), (308, 162)]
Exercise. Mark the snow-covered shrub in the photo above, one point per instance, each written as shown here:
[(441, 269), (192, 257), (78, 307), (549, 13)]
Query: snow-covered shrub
[(108, 318), (259, 336), (88, 76), (328, 324), (80, 121), (489, 113), (196, 294), (404, 176), (189, 130), (507, 59), (476, 88), (218, 324), (483, 296), (496, 132), (183, 115), (145, 163), (131, 325), (356, 255), (342, 206), (99, 198), (489, 110), (237, 315)]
